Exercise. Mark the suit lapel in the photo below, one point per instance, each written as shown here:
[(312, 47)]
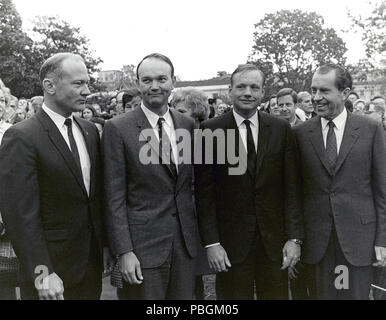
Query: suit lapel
[(62, 147), (316, 138), (350, 136), (263, 141)]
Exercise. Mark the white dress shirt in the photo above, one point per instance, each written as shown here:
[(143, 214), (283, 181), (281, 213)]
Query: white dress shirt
[(168, 126), (340, 124), (254, 123), (79, 140)]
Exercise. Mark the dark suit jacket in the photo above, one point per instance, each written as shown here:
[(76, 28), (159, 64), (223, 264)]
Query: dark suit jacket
[(353, 196), (230, 206), (142, 199), (43, 200)]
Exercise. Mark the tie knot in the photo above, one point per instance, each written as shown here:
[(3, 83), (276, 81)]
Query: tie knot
[(247, 123), (160, 121), (331, 124), (68, 122)]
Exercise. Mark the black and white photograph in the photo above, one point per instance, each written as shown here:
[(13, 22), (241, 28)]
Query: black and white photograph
[(209, 152)]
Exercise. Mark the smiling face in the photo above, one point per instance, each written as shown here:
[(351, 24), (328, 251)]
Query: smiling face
[(156, 83), (247, 92), (326, 97)]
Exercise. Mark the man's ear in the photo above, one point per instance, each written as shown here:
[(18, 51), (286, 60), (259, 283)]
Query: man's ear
[(346, 93), (174, 81), (49, 86)]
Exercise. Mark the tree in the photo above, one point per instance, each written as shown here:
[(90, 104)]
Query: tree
[(18, 62), (373, 29), (55, 35), (291, 44)]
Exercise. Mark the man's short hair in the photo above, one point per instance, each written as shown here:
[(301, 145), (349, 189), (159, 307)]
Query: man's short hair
[(247, 67), (41, 98), (343, 78), (354, 93), (288, 92), (129, 94), (158, 56), (302, 95), (380, 96), (53, 65)]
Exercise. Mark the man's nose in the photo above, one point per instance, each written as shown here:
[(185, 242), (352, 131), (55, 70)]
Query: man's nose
[(247, 92), (154, 85), (86, 91)]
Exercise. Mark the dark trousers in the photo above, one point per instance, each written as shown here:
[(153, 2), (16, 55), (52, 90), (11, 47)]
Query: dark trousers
[(257, 270), (359, 278), (89, 288), (303, 286), (173, 280)]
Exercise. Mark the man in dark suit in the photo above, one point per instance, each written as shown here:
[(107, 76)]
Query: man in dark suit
[(150, 215), (50, 189), (250, 220), (342, 158)]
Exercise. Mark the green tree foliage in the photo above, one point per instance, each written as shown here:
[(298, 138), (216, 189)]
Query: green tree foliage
[(289, 45)]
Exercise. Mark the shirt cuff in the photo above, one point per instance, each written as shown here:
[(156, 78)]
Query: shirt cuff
[(212, 245)]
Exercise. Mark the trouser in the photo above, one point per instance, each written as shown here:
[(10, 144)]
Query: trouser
[(173, 280), (256, 271), (337, 279)]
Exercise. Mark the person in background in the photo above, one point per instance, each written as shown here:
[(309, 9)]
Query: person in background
[(37, 103), (305, 110), (10, 109), (359, 107), (287, 100), (272, 103), (20, 115), (89, 113), (353, 96), (4, 126), (131, 99)]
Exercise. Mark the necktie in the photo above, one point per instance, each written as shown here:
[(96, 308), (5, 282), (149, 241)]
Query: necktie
[(331, 145), (166, 147), (251, 151), (74, 148)]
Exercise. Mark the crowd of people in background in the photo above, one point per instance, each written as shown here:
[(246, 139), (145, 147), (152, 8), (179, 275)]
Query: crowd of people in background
[(294, 107)]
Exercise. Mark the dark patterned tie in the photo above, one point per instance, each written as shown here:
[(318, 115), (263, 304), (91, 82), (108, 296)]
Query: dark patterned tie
[(166, 147), (74, 148), (331, 145), (251, 150)]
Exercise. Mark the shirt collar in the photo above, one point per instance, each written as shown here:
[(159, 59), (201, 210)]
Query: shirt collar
[(239, 119), (57, 118), (339, 121), (153, 117)]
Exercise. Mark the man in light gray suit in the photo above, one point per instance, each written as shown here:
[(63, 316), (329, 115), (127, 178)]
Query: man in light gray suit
[(150, 215)]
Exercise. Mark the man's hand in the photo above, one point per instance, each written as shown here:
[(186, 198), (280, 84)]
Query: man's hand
[(291, 254), (108, 261), (50, 288), (380, 253), (218, 258), (130, 268)]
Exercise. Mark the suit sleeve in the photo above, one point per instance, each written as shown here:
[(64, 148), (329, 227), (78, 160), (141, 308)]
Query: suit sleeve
[(115, 175), (379, 184), (293, 208), (20, 203), (205, 195)]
